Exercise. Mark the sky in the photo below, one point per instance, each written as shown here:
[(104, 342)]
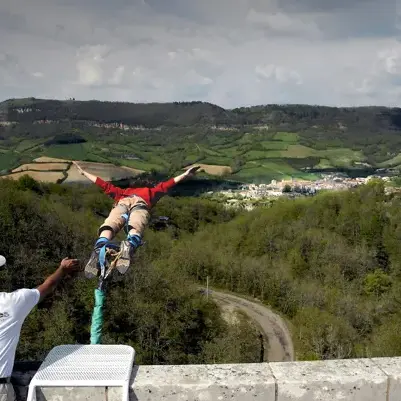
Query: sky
[(228, 52)]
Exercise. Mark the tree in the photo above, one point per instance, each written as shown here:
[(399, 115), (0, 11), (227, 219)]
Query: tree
[(377, 283)]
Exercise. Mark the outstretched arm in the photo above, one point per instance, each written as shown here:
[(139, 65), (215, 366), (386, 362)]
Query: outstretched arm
[(163, 187), (107, 187), (188, 174), (66, 267), (89, 176)]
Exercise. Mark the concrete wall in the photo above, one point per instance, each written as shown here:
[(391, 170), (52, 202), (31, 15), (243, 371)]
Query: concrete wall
[(353, 379)]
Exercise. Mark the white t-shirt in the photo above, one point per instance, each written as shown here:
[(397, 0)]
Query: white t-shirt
[(14, 308)]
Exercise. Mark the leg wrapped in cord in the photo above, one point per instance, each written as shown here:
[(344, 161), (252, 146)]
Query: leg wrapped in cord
[(135, 240), (127, 250), (91, 268)]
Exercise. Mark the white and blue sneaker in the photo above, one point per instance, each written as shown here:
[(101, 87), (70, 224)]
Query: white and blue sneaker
[(92, 268), (127, 249)]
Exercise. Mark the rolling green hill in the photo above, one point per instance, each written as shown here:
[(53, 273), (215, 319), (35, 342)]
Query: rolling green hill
[(258, 143)]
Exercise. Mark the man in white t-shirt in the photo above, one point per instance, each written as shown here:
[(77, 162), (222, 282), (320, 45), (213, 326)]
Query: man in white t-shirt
[(14, 308)]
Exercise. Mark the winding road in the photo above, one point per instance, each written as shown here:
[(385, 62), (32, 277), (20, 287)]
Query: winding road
[(279, 346)]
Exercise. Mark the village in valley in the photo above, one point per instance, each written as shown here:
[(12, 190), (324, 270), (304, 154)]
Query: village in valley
[(250, 195)]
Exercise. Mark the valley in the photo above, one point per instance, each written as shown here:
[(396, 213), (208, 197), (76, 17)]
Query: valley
[(323, 263), (250, 145)]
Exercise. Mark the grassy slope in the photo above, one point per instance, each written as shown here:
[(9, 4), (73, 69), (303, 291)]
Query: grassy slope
[(393, 162), (8, 159), (264, 155)]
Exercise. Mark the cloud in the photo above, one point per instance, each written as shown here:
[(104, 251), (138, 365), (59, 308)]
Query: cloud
[(90, 64), (278, 73), (118, 75), (389, 60), (258, 51), (384, 71), (280, 23)]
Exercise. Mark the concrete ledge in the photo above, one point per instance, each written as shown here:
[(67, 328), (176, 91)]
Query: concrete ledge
[(392, 368), (377, 379), (356, 380), (203, 382)]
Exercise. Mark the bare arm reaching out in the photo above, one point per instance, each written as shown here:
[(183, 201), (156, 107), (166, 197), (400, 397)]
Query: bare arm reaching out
[(107, 187), (188, 174), (67, 266), (86, 174)]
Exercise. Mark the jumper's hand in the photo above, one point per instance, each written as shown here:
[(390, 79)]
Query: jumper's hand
[(191, 171), (78, 167)]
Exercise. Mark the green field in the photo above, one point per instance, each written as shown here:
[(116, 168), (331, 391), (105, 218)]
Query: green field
[(27, 144), (324, 164), (191, 158), (393, 162), (259, 154), (255, 154), (342, 157), (140, 165), (77, 151), (274, 145), (286, 137), (8, 160), (169, 136)]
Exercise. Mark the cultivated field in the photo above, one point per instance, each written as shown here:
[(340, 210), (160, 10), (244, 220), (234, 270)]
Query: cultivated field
[(257, 155), (107, 172), (51, 176), (45, 159), (47, 170), (213, 169), (42, 167)]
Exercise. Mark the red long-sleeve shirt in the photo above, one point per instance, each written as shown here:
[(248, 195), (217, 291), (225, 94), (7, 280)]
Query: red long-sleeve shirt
[(149, 195)]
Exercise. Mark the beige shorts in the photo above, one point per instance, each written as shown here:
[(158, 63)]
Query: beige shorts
[(138, 212), (7, 392)]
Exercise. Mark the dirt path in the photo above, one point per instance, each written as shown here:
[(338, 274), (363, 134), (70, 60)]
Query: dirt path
[(280, 347)]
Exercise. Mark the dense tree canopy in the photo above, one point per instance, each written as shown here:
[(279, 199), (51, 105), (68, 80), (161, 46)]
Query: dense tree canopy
[(162, 315), (191, 113), (331, 264)]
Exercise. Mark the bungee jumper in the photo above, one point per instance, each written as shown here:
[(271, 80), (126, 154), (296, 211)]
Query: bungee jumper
[(131, 210)]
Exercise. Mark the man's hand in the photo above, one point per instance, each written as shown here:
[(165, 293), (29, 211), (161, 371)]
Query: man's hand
[(67, 266), (70, 265)]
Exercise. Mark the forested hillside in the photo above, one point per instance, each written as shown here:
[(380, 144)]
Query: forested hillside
[(181, 114), (331, 264), (149, 115), (162, 315)]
